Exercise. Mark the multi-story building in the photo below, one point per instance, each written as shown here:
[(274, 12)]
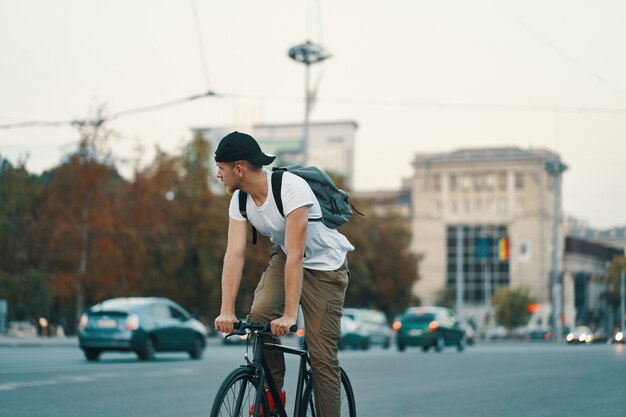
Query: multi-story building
[(330, 145), (482, 219)]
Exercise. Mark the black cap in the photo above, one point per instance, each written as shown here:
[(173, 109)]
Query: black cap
[(237, 146)]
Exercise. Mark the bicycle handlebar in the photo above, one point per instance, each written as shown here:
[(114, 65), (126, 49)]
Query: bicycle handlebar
[(241, 327)]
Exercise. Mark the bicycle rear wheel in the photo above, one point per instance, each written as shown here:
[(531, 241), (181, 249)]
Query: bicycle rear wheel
[(237, 395), (348, 405)]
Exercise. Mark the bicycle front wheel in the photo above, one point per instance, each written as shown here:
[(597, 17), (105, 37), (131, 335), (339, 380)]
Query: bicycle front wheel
[(348, 405), (237, 394)]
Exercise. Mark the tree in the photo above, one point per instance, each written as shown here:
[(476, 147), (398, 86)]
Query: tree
[(23, 283), (511, 306), (445, 298), (382, 268), (613, 294), (80, 222)]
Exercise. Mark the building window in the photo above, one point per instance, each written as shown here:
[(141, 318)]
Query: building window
[(502, 181), (519, 181), (436, 182), (488, 205), (452, 182), (490, 181), (502, 206), (479, 182), (466, 182), (335, 140), (437, 208), (454, 206), (484, 269)]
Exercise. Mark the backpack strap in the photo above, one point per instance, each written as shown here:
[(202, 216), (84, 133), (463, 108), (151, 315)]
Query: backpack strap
[(243, 201), (277, 185)]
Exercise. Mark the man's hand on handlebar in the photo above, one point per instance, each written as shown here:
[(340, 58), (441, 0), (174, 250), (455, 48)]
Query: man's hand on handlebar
[(225, 322), (282, 325)]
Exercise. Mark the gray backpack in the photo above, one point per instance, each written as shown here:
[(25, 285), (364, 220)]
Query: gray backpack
[(335, 202)]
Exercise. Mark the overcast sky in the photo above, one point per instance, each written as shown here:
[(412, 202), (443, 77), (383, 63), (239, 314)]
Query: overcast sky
[(417, 76)]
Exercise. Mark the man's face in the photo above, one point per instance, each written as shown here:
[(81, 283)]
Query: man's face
[(227, 173)]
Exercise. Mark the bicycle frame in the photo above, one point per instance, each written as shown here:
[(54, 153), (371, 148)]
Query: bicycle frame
[(265, 375)]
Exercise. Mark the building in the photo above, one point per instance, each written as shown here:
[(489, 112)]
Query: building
[(614, 237), (330, 144), (482, 219), (585, 284)]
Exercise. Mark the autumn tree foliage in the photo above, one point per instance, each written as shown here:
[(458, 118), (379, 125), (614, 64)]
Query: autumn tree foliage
[(23, 283), (382, 267), (80, 225), (81, 233)]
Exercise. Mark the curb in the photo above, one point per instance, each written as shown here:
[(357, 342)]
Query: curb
[(11, 341)]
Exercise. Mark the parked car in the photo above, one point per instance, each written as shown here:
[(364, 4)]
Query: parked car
[(352, 336), (368, 327), (427, 327), (360, 329), (470, 332), (144, 325), (580, 334)]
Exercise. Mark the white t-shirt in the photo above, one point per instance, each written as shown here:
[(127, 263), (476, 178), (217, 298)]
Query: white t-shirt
[(325, 249)]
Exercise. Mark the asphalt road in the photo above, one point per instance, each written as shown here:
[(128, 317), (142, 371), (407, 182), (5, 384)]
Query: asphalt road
[(496, 379)]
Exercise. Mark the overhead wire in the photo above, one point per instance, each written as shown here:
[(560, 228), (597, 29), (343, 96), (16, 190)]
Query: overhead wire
[(375, 102), (99, 121), (567, 56), (201, 48), (444, 105)]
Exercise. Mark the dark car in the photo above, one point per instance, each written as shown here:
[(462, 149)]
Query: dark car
[(427, 327), (144, 325)]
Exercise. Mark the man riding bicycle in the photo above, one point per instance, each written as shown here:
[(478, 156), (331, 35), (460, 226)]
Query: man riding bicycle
[(308, 264)]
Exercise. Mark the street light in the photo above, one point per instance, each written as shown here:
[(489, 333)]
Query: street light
[(555, 168), (308, 54)]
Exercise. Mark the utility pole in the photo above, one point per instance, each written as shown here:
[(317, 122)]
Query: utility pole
[(307, 53), (622, 293), (458, 304), (555, 168)]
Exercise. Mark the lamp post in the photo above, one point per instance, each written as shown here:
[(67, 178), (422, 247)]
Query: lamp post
[(308, 54), (555, 168), (622, 300)]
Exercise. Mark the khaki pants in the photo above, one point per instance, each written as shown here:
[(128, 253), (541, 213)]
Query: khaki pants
[(322, 299)]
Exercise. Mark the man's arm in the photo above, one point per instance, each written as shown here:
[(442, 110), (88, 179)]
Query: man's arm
[(231, 274), (295, 240)]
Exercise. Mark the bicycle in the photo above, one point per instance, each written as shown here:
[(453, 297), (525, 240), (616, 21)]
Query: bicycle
[(243, 391)]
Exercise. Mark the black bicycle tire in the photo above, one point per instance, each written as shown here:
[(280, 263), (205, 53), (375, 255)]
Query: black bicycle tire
[(223, 405), (347, 394)]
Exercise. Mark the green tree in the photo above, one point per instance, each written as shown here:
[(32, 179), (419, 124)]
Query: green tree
[(612, 295), (511, 306)]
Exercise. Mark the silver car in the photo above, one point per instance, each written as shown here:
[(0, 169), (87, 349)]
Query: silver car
[(370, 325)]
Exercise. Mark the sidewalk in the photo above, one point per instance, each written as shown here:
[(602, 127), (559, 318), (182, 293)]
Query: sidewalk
[(14, 341)]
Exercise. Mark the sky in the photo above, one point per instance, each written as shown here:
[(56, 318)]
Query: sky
[(416, 76)]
